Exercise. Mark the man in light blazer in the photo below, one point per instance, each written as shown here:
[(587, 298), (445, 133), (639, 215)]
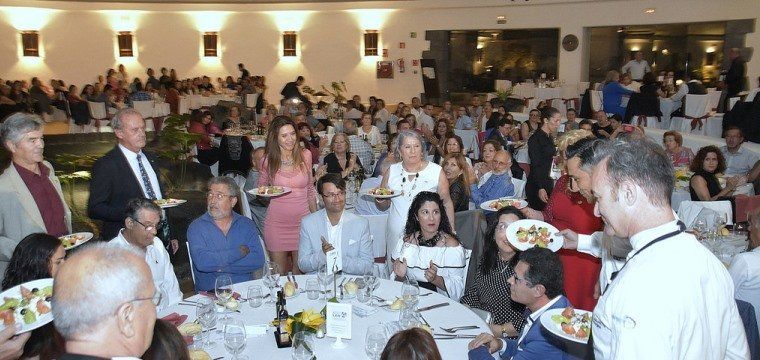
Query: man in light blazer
[(333, 228), (31, 200)]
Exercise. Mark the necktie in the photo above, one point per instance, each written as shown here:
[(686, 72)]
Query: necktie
[(146, 181)]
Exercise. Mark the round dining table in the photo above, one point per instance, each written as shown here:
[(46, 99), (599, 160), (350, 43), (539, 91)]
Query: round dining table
[(264, 347)]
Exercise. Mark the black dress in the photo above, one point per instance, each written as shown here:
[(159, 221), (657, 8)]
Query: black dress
[(458, 192), (713, 186), (541, 152), (491, 293), (333, 166), (235, 155)]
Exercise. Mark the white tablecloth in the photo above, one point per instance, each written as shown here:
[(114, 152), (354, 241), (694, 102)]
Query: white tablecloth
[(264, 347)]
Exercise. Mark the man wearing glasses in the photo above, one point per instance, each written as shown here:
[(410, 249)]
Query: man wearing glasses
[(333, 228), (105, 304), (499, 183), (139, 231), (223, 241)]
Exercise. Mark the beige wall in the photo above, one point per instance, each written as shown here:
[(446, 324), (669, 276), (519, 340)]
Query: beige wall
[(79, 38)]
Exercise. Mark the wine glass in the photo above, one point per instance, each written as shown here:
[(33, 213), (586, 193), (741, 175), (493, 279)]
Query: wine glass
[(205, 311), (223, 291), (374, 342), (303, 346), (700, 227), (325, 277), (271, 278), (410, 292), (234, 338), (370, 281)]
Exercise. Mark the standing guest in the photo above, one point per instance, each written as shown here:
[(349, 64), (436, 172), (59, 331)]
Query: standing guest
[(31, 200), (490, 147), (358, 146), (333, 228), (499, 184), (458, 174), (411, 175), (416, 108), (340, 160), (739, 160), (680, 155), (286, 164), (735, 74), (637, 67), (631, 178), (529, 127), (291, 90), (114, 319), (152, 81), (704, 184), (490, 292), (223, 241), (139, 233), (602, 128), (428, 251), (244, 73), (484, 117), (536, 283), (172, 96), (369, 132), (37, 256), (258, 205), (206, 127), (744, 267), (110, 189), (541, 151), (411, 344), (613, 92)]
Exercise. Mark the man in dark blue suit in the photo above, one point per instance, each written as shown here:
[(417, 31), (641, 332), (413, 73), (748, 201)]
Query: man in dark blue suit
[(537, 283)]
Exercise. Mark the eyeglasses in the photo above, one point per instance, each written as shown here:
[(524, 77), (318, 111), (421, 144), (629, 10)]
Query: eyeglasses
[(148, 228), (217, 196), (334, 195), (155, 299), (502, 226), (526, 282)]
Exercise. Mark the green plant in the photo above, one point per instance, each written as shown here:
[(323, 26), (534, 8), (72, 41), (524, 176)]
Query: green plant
[(68, 177), (504, 94), (175, 145), (338, 88)]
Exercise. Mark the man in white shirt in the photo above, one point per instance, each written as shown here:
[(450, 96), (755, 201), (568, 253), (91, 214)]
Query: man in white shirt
[(416, 109), (637, 67), (745, 267), (426, 118), (139, 232), (739, 161), (656, 307), (333, 228)]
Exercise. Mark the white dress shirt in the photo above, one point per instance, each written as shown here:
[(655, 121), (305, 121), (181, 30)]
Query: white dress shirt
[(637, 68), (745, 270), (416, 112), (152, 177), (373, 136), (673, 300), (334, 232), (739, 163), (161, 269)]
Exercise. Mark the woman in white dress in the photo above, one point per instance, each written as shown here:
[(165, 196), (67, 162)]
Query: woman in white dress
[(412, 175), (428, 251), (369, 132)]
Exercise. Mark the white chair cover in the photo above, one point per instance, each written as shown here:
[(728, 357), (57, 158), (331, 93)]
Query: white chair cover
[(732, 101), (250, 100), (582, 87), (190, 257), (596, 100), (97, 110), (470, 142), (184, 105), (713, 99), (519, 187), (195, 101), (145, 108), (751, 96), (688, 211), (696, 105)]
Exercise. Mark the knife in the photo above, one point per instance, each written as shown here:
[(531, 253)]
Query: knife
[(431, 307), (453, 336)]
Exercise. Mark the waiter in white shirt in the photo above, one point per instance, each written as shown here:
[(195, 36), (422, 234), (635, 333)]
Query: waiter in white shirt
[(637, 67), (139, 232), (672, 299)]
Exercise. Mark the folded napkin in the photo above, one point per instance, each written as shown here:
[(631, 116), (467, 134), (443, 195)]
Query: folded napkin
[(175, 319), (235, 295)]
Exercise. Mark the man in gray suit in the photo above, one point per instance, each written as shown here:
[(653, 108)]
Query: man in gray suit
[(31, 200), (333, 228)]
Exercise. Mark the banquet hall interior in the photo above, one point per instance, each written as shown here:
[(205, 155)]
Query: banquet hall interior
[(345, 76)]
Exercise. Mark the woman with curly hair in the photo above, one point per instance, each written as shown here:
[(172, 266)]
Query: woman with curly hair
[(704, 184)]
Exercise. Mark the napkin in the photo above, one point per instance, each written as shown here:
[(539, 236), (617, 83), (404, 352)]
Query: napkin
[(175, 319), (256, 330), (362, 310), (235, 295)]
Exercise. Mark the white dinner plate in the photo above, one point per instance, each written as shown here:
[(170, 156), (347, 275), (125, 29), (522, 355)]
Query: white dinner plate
[(518, 203), (368, 193), (255, 192), (556, 329), (41, 319), (85, 237), (169, 203), (554, 245)]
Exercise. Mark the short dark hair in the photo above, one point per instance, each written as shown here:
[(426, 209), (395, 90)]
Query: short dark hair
[(699, 159), (544, 268), (331, 178), (500, 122), (582, 148), (411, 344), (733, 127), (167, 343), (135, 205), (299, 78), (584, 122), (571, 109)]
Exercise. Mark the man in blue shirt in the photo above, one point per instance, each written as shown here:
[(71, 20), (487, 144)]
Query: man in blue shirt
[(464, 122), (499, 184), (223, 241)]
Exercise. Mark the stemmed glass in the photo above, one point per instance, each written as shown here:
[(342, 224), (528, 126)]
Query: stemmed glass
[(325, 277), (303, 346), (271, 278), (234, 338), (374, 342), (370, 281), (223, 291), (205, 311), (700, 227), (410, 292)]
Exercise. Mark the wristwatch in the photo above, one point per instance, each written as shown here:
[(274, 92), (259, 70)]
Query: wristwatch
[(503, 331)]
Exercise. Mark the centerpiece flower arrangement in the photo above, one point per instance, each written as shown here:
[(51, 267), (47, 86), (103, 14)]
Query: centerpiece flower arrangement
[(306, 320)]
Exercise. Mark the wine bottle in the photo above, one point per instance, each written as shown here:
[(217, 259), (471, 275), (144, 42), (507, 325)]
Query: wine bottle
[(282, 316)]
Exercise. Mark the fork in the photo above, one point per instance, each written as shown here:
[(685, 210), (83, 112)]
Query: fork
[(457, 328)]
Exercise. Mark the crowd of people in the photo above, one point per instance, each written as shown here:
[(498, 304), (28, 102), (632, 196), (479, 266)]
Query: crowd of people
[(587, 178)]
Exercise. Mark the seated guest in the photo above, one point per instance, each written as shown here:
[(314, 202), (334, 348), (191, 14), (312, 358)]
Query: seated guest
[(572, 120), (536, 283), (612, 94), (352, 112), (369, 132), (428, 251), (105, 303), (258, 205), (411, 344), (739, 160), (309, 141), (223, 241), (206, 127), (139, 94), (463, 119), (688, 86), (332, 228), (341, 160), (358, 146), (167, 343), (499, 184), (502, 134), (233, 119), (453, 145), (458, 173), (615, 122), (490, 292), (704, 185), (437, 139), (585, 124), (37, 256), (386, 158), (490, 147), (602, 128), (529, 127), (679, 154), (404, 124), (139, 232), (744, 268)]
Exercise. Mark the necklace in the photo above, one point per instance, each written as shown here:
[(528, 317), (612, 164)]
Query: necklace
[(429, 242), (405, 177), (286, 162)]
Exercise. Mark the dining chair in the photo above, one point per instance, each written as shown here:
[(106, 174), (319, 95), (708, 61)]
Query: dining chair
[(190, 258)]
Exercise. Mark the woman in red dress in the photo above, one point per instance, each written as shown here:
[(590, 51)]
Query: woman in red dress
[(568, 209)]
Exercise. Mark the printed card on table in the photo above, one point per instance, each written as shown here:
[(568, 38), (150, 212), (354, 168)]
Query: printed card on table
[(338, 320), (334, 260)]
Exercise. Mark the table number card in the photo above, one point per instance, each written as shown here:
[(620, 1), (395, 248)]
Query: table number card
[(338, 320), (334, 261)]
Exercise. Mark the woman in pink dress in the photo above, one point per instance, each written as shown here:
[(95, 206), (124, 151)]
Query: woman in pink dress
[(286, 163)]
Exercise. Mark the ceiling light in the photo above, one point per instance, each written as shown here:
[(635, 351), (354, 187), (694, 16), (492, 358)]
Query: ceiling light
[(649, 11)]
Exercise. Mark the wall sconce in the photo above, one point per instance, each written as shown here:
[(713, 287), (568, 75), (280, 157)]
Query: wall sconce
[(289, 42), (370, 43), (30, 41), (210, 41), (125, 44)]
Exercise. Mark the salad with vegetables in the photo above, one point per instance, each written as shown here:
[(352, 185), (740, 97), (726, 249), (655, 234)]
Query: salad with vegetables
[(574, 323), (25, 309), (536, 235)]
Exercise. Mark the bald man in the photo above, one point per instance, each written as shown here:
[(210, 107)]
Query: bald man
[(105, 303)]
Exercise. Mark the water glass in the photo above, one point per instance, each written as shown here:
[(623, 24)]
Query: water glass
[(410, 292), (312, 289), (303, 346), (364, 294), (234, 338), (271, 279), (375, 341), (205, 311), (255, 296), (326, 278), (408, 318)]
